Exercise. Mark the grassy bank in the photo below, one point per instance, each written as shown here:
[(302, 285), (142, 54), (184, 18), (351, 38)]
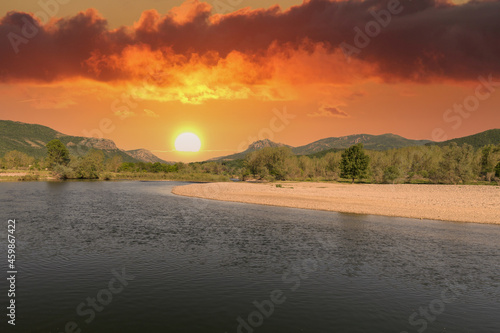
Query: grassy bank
[(195, 177)]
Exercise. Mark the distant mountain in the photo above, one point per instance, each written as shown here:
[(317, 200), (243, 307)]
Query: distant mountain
[(144, 155), (257, 145), (476, 140), (31, 139), (372, 142), (322, 153)]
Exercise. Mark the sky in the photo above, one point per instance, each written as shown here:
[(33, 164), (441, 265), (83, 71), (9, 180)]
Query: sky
[(236, 71)]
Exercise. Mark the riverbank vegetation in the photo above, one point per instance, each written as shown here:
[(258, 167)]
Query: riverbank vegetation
[(452, 164)]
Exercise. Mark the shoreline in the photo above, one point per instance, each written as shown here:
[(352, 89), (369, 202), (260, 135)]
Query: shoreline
[(453, 203)]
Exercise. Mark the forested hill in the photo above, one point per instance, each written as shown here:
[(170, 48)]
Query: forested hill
[(489, 137), (32, 138), (371, 142)]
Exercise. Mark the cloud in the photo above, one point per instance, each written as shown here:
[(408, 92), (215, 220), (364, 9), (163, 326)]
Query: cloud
[(49, 102), (124, 114), (151, 113), (356, 95), (192, 55), (328, 111)]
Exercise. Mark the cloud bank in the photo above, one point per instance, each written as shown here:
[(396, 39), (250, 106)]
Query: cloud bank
[(237, 55)]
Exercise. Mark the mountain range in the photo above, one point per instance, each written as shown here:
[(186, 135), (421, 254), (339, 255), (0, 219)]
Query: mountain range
[(489, 137), (32, 138), (371, 142)]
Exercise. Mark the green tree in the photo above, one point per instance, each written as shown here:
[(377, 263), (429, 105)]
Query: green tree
[(354, 163), (457, 164), (332, 162), (57, 153), (127, 166), (90, 165), (16, 159), (274, 159), (391, 173), (497, 170), (488, 158), (157, 167), (114, 163)]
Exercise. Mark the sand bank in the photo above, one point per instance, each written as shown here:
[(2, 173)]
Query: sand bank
[(480, 204)]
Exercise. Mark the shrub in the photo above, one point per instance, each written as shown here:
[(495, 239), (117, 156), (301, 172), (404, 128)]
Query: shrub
[(106, 176), (63, 172), (391, 173)]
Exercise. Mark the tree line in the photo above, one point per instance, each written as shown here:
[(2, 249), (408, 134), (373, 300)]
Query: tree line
[(452, 164)]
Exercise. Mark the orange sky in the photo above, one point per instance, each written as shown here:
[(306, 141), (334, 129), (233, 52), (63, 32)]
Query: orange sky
[(233, 78)]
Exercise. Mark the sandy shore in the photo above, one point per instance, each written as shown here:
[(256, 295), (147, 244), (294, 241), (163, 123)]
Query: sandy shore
[(13, 174), (480, 204)]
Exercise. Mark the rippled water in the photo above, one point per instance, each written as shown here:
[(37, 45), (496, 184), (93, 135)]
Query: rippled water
[(200, 265)]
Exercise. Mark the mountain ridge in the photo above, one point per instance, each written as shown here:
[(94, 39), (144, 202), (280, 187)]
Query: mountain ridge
[(481, 139), (32, 138), (373, 142), (370, 141)]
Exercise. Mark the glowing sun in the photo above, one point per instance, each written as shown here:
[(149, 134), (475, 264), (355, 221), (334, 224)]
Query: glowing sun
[(188, 142)]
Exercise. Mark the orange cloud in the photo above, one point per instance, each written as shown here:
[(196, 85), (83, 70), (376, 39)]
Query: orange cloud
[(328, 111), (192, 56)]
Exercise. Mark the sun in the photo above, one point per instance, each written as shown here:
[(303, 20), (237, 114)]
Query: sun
[(188, 142)]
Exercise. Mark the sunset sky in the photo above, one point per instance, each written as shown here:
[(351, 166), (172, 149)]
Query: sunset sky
[(235, 71)]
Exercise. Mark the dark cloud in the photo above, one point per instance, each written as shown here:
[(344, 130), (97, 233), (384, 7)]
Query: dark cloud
[(429, 39)]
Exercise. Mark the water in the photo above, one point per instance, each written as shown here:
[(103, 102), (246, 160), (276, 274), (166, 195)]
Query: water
[(196, 265)]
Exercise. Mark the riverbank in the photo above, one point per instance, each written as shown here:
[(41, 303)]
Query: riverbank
[(16, 175), (460, 203)]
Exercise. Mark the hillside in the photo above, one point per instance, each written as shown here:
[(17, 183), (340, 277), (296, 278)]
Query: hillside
[(31, 139), (144, 155), (476, 140), (372, 142), (257, 145)]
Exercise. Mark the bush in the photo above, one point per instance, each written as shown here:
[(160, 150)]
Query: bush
[(90, 166), (391, 173), (63, 172), (15, 159), (106, 176)]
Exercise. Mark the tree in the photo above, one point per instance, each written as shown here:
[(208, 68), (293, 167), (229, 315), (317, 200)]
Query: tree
[(157, 167), (391, 173), (354, 163), (127, 166), (114, 163), (274, 159), (16, 159), (456, 164), (57, 153), (89, 166), (489, 158)]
